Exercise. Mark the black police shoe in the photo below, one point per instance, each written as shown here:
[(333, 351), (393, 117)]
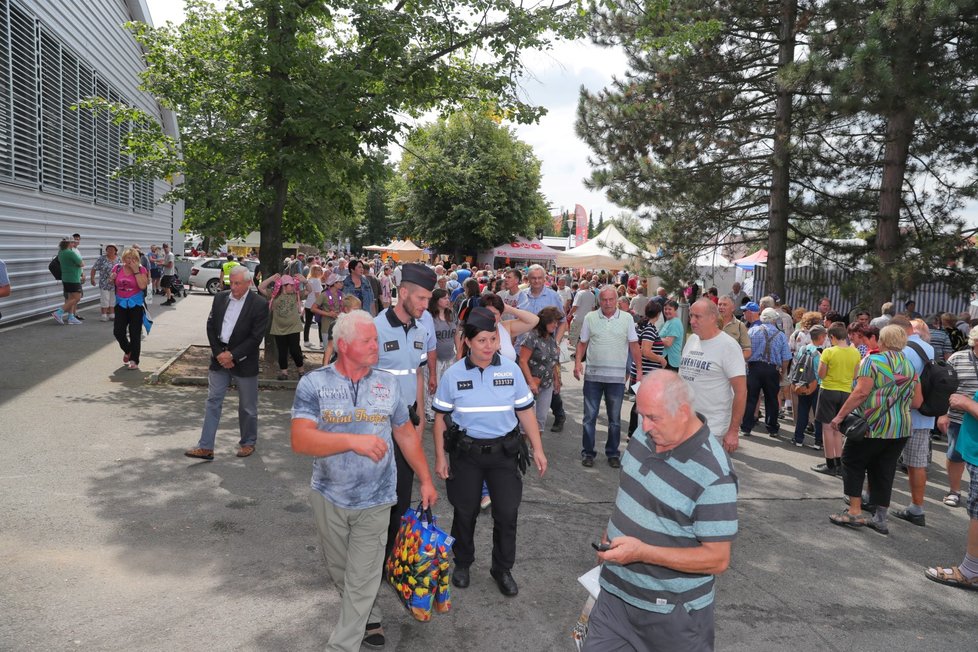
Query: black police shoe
[(460, 577), (505, 581)]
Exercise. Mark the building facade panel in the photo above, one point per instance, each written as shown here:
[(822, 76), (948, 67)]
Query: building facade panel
[(56, 162)]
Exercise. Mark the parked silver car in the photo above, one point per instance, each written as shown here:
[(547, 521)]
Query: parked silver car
[(206, 274)]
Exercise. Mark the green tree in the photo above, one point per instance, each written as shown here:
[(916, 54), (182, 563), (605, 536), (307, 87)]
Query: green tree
[(282, 103), (901, 75), (469, 184)]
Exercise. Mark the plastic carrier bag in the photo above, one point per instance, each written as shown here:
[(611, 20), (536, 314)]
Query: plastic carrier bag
[(419, 566), (590, 581)]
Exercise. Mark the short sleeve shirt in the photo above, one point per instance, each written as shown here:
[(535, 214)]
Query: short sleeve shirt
[(737, 330), (584, 301), (965, 363), (4, 279), (169, 264), (543, 357), (402, 351), (483, 402), (674, 328), (648, 333), (708, 366), (887, 408), (369, 406), (104, 268), (841, 363)]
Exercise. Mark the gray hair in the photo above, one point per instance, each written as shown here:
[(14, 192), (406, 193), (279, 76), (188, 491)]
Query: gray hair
[(348, 324), (888, 309), (534, 268), (770, 316), (766, 302), (675, 392), (239, 270)]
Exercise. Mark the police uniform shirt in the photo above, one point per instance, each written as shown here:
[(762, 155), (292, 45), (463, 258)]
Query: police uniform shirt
[(431, 340), (401, 351), (482, 401)]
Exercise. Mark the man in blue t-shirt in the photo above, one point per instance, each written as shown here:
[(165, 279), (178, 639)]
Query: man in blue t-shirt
[(348, 416)]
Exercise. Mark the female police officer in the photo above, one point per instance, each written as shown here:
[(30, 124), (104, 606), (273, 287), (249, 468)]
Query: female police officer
[(485, 395)]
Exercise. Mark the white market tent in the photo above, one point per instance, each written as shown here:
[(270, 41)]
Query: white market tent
[(608, 250), (519, 249)]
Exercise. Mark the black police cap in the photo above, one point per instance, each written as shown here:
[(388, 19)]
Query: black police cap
[(419, 275)]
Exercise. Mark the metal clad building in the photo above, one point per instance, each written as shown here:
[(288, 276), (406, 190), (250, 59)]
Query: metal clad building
[(55, 162)]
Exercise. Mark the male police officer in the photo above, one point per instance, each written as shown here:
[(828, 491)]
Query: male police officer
[(403, 352)]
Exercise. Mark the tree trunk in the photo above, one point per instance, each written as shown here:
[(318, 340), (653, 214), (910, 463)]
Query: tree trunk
[(778, 212), (899, 132)]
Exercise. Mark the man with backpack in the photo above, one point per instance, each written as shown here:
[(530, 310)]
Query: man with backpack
[(769, 359), (937, 382)]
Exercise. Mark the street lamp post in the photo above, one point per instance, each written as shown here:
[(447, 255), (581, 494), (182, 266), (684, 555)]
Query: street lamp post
[(572, 235)]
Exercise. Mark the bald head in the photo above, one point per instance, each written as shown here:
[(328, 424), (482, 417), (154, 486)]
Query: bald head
[(703, 318)]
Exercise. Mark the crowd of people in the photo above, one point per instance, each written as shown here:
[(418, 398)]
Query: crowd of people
[(477, 354)]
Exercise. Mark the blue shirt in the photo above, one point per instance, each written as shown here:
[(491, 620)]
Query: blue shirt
[(673, 328), (483, 402), (369, 406), (917, 420), (4, 279), (777, 352), (547, 297), (401, 352), (462, 274), (428, 322)]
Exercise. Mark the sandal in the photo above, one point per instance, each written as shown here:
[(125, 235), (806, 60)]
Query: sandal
[(951, 577), (952, 499), (283, 376), (846, 519)]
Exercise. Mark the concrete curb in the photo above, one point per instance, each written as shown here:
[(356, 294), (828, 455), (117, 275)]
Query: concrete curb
[(262, 383), (154, 378)]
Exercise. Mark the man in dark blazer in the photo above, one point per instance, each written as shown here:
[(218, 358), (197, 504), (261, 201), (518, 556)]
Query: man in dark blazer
[(235, 329)]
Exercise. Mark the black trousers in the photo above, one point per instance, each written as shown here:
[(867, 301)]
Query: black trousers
[(127, 329), (874, 460), (309, 321), (405, 484), (464, 488), (289, 344), (557, 405), (762, 377)]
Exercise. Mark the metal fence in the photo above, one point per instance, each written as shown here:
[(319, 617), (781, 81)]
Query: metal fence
[(805, 286)]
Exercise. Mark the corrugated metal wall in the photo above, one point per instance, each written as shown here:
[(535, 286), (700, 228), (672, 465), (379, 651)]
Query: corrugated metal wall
[(34, 216)]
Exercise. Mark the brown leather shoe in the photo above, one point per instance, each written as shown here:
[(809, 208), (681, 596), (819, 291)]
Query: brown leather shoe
[(245, 451), (201, 453)]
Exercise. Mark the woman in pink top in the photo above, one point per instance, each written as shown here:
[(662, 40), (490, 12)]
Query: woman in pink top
[(130, 280)]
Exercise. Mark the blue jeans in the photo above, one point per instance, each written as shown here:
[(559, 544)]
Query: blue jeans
[(614, 394), (218, 382), (805, 405)]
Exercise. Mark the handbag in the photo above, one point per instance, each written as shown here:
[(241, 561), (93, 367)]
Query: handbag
[(419, 568), (854, 427)]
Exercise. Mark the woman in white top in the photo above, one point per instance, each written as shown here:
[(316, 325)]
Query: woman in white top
[(508, 329), (314, 285)]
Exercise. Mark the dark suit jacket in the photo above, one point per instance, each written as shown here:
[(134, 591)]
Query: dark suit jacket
[(245, 338)]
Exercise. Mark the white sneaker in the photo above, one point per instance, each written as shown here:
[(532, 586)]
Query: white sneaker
[(104, 318), (74, 321)]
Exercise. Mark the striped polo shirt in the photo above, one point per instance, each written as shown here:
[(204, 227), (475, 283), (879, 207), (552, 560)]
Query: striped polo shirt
[(675, 499), (483, 402)]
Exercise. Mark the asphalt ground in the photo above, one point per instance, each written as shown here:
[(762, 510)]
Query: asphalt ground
[(111, 539)]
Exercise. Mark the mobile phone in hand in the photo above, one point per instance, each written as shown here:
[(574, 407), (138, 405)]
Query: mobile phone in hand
[(601, 547)]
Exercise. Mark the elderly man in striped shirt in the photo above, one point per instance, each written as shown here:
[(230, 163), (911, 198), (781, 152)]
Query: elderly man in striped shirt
[(671, 531)]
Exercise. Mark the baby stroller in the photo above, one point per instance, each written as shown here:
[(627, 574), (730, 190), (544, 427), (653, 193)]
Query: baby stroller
[(177, 287)]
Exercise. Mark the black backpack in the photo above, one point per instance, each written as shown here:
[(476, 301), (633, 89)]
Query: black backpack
[(938, 380), (55, 268)]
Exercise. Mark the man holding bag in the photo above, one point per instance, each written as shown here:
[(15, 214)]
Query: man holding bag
[(347, 415)]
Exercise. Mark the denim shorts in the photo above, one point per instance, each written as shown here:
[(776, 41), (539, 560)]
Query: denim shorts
[(952, 436)]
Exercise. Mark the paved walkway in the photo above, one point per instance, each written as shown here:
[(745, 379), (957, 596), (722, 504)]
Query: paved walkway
[(110, 539)]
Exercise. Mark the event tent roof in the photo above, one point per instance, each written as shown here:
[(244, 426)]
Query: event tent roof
[(608, 250), (524, 249), (755, 259)]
